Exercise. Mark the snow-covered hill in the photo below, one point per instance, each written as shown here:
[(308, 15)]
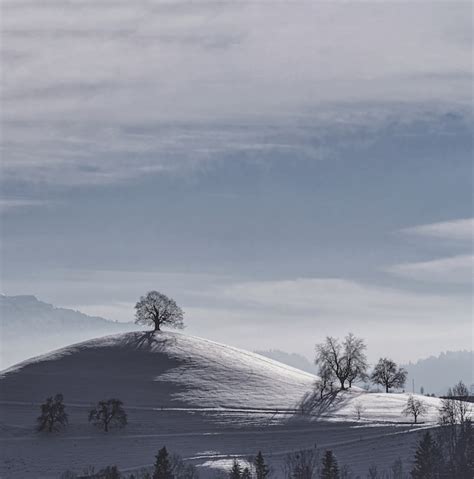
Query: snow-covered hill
[(202, 399), (30, 327), (158, 370)]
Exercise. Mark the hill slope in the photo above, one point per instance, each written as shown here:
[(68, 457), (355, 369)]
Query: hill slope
[(204, 400), (30, 327), (158, 370)]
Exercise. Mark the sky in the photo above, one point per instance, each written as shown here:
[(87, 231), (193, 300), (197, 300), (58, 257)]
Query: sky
[(284, 170)]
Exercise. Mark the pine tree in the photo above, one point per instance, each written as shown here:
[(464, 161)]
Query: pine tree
[(462, 466), (236, 471), (261, 469), (427, 459), (162, 465), (330, 469)]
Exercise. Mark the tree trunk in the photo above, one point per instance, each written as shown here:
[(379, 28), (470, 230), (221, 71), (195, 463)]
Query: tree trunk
[(157, 327), (386, 388), (106, 426), (343, 387)]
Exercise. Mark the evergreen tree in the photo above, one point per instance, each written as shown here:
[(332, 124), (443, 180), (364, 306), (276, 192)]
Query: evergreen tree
[(53, 414), (261, 469), (330, 469), (427, 459), (235, 471), (462, 465), (163, 465)]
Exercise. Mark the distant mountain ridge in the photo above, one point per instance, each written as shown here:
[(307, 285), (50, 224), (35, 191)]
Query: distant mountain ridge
[(30, 327), (437, 373), (28, 307)]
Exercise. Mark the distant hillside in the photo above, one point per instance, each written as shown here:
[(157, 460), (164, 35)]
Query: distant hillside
[(437, 373), (30, 327), (292, 359)]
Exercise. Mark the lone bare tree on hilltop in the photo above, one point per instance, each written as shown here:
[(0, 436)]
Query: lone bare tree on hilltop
[(158, 310)]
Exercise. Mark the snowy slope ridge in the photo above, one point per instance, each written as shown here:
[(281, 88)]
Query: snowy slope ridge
[(173, 370), (203, 400), (158, 370)]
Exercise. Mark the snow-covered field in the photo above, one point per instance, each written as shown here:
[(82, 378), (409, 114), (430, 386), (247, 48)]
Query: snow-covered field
[(206, 401)]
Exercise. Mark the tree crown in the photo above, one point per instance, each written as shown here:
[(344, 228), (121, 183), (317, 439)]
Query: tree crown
[(157, 309)]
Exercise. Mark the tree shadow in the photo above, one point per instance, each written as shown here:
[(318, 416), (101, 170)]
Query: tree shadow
[(316, 405), (149, 341)]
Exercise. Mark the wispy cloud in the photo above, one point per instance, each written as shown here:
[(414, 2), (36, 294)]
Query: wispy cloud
[(460, 229), (346, 301), (8, 204), (457, 269), (79, 76)]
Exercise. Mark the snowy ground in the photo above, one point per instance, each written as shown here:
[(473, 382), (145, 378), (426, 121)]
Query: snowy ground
[(206, 401)]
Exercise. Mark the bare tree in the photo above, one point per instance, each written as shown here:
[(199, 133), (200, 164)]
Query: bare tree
[(326, 382), (359, 409), (460, 393), (388, 374), (108, 414), (414, 407), (346, 361), (301, 464), (157, 309), (355, 358), (455, 434), (329, 356), (53, 414), (181, 469), (454, 410)]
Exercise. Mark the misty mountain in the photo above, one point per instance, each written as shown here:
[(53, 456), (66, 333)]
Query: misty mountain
[(437, 373), (30, 327)]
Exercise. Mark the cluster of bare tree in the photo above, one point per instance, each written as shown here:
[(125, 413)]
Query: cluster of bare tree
[(344, 362), (312, 464), (106, 414), (449, 452)]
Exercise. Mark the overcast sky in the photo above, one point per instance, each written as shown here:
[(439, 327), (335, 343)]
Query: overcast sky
[(284, 170)]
